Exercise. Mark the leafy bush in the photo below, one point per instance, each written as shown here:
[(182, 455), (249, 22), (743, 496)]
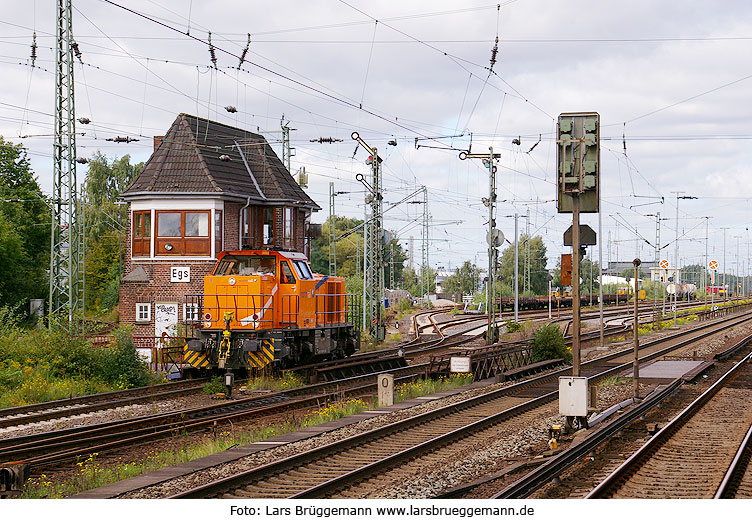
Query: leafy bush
[(548, 344), (404, 304), (216, 385), (43, 365), (513, 326)]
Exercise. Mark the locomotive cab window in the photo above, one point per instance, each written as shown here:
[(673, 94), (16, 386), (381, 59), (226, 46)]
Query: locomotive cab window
[(286, 273), (303, 269), (245, 266)]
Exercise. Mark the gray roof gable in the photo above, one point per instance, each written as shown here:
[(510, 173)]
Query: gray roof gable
[(188, 161)]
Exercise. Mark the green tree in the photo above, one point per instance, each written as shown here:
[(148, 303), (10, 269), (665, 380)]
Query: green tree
[(349, 250), (413, 280), (464, 280), (538, 272), (25, 229), (105, 227)]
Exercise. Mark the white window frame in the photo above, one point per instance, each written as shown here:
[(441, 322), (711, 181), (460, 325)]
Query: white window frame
[(194, 316), (138, 312)]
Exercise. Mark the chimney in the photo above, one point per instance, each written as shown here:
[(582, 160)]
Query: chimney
[(157, 141)]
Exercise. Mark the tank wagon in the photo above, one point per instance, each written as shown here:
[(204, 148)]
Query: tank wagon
[(682, 291), (267, 308)]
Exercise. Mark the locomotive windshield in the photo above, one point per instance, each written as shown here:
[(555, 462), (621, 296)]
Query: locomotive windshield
[(245, 266)]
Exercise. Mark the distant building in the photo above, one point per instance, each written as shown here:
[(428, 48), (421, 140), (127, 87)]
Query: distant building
[(665, 275), (207, 188), (441, 275)]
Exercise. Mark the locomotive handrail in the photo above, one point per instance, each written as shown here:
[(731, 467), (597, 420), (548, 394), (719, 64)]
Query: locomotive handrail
[(326, 313), (290, 314)]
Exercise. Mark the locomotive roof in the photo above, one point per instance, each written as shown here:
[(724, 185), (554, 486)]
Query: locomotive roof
[(189, 161), (290, 255)]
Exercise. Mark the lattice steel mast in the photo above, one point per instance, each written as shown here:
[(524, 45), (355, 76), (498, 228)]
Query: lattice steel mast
[(66, 264), (332, 233), (373, 290), (425, 271)]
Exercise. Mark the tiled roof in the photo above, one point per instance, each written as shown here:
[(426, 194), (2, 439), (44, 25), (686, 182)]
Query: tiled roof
[(188, 161)]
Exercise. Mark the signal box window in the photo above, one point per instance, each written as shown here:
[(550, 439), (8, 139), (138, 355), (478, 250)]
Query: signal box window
[(268, 225), (141, 233), (217, 232), (183, 233), (143, 312), (287, 276), (190, 312), (287, 228)]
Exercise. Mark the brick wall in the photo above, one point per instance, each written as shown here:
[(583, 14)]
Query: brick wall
[(159, 290), (278, 227), (232, 226)]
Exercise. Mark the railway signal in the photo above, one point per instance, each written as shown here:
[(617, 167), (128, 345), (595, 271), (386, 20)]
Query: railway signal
[(577, 190)]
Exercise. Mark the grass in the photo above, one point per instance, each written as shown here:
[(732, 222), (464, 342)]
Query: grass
[(394, 337), (613, 380), (91, 474), (684, 317), (288, 380), (418, 388)]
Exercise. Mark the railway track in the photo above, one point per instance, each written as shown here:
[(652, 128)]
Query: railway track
[(337, 467), (36, 412), (442, 346), (48, 449), (690, 456)]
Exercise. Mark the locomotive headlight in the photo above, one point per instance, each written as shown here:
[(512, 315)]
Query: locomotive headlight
[(231, 281), (207, 324)]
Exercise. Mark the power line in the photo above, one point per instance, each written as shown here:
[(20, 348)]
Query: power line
[(271, 71)]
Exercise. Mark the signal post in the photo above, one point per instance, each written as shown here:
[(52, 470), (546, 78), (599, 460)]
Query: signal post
[(578, 165)]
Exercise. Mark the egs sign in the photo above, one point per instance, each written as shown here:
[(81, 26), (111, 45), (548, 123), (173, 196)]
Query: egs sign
[(180, 274)]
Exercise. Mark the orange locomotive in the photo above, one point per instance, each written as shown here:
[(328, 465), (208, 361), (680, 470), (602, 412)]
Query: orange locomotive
[(267, 307)]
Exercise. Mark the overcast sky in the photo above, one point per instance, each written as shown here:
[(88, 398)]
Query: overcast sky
[(672, 78)]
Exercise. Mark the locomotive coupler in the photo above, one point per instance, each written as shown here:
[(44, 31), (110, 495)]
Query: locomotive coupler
[(224, 343)]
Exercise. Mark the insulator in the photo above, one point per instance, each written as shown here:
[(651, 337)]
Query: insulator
[(34, 49), (231, 109), (76, 51), (392, 143), (494, 52), (212, 52), (224, 158), (516, 141), (245, 51), (81, 159), (84, 120), (122, 139)]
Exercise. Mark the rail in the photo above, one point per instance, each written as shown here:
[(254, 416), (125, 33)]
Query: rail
[(649, 448)]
